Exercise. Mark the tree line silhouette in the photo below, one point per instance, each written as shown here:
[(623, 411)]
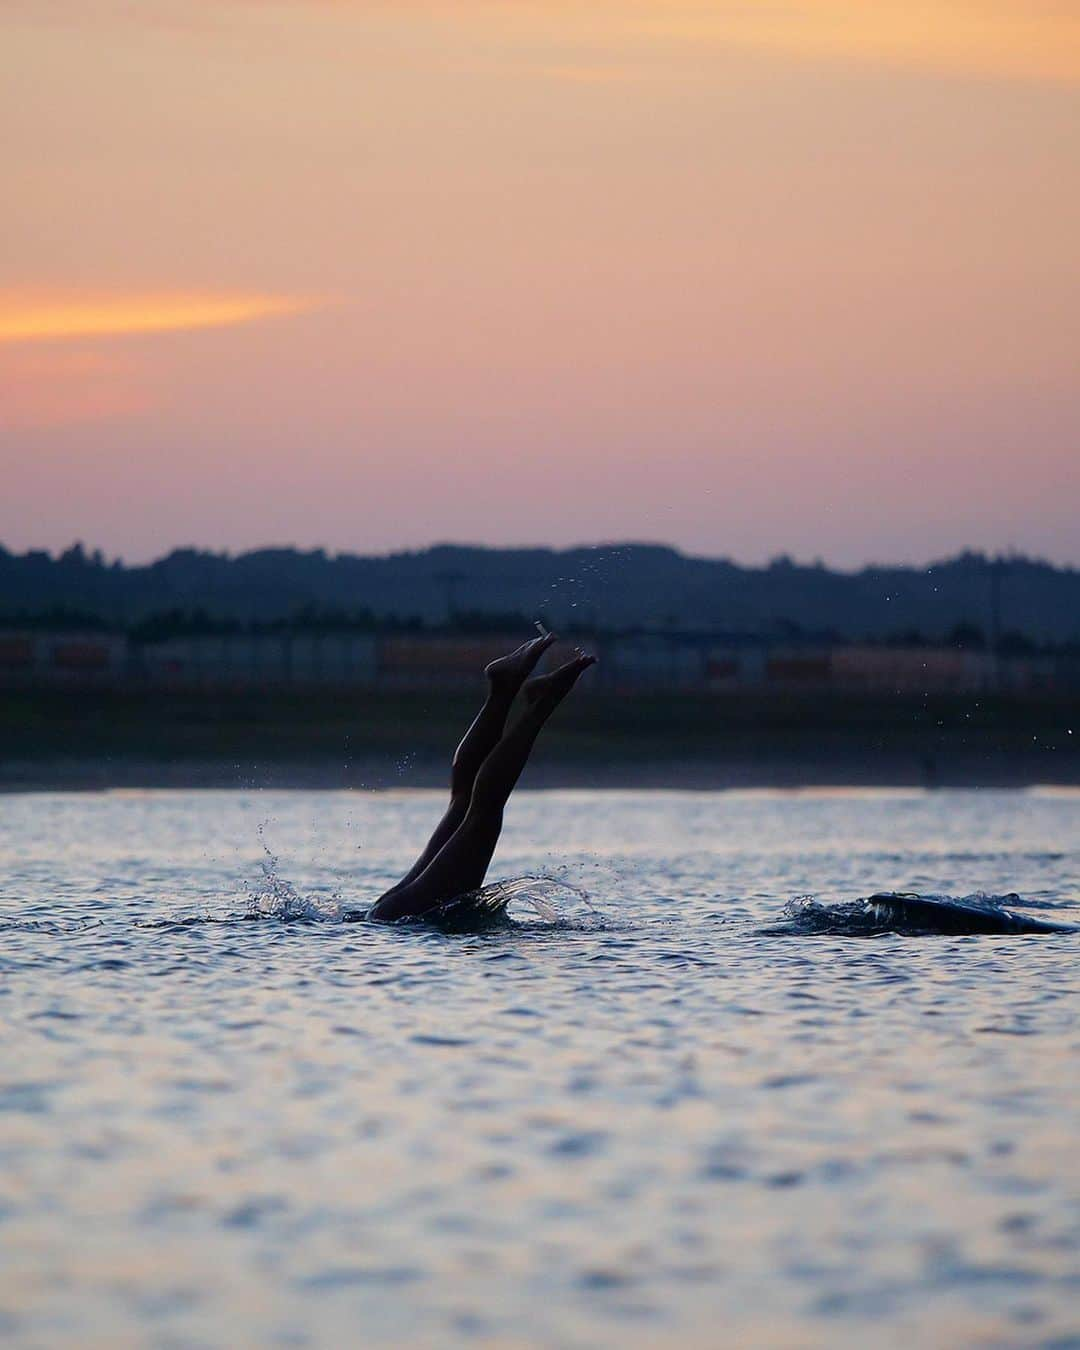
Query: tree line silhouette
[(1012, 604)]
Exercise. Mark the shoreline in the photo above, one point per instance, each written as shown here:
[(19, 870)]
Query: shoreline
[(830, 770), (56, 741)]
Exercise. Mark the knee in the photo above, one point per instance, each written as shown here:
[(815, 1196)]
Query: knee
[(485, 814), (461, 780)]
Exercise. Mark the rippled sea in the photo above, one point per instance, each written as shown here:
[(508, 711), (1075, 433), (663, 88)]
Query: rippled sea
[(635, 1114)]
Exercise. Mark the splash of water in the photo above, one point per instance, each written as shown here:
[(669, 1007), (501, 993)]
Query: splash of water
[(911, 913), (277, 898), (539, 896)]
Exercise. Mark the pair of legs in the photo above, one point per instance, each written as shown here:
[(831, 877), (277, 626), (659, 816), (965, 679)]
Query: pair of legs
[(486, 765)]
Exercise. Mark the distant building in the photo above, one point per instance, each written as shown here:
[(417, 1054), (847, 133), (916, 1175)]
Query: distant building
[(69, 658), (244, 661), (631, 663)]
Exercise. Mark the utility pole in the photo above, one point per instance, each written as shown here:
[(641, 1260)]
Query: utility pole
[(450, 581), (997, 571)]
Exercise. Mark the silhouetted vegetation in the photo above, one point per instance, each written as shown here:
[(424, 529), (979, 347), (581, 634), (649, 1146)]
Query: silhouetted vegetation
[(58, 618), (609, 588), (968, 637)]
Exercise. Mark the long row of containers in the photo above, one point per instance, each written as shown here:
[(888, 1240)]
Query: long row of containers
[(629, 663)]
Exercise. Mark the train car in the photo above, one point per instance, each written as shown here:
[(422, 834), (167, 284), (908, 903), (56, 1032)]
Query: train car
[(729, 668), (18, 658), (655, 661), (912, 670), (83, 658), (332, 659), (436, 662), (798, 668)]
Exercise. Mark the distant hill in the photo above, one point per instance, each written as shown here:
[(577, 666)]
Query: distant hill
[(610, 585)]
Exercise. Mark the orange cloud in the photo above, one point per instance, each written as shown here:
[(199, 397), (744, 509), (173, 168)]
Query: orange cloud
[(44, 320), (1022, 39), (1005, 39)]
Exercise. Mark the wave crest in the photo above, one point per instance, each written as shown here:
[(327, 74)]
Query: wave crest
[(910, 913), (539, 897)]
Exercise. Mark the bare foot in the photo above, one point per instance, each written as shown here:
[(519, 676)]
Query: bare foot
[(508, 673), (557, 685)]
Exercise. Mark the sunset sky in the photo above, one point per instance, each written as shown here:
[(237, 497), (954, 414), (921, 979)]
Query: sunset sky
[(797, 276)]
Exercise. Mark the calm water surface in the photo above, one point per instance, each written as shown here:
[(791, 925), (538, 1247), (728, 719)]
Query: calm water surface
[(228, 1118)]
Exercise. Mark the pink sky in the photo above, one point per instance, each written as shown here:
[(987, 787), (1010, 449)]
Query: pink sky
[(746, 279)]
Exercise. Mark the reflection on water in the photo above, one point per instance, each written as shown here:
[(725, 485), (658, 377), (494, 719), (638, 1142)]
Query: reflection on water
[(631, 1115)]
